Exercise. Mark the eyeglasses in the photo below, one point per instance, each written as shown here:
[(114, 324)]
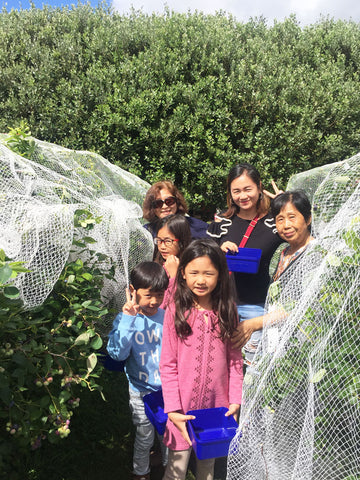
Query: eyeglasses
[(166, 241), (169, 201)]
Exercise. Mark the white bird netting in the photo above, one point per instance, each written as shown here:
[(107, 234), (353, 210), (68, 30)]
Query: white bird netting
[(301, 400), (39, 198)]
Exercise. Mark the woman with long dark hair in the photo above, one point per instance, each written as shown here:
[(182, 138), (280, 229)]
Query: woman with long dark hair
[(248, 205)]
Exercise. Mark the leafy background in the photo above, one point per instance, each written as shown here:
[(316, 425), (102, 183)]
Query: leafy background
[(177, 96), (184, 96)]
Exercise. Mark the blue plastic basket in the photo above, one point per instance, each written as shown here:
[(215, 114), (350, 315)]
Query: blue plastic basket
[(154, 409), (111, 364), (211, 432), (247, 260)]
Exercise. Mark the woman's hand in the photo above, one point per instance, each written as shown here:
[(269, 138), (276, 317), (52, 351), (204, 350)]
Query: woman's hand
[(179, 420), (234, 410), (244, 331), (276, 190), (229, 246), (131, 307), (171, 265)]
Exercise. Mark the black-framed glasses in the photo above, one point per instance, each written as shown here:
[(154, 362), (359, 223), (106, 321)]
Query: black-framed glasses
[(166, 241), (169, 201)]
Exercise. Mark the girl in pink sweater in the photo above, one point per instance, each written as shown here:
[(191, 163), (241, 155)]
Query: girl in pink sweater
[(198, 366)]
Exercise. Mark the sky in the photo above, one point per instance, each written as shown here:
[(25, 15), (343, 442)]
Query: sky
[(306, 11)]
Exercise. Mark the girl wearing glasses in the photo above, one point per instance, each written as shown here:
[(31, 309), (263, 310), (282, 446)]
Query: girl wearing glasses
[(173, 236), (163, 199)]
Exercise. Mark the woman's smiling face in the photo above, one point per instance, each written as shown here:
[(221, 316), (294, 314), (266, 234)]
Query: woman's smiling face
[(245, 194), (292, 226), (165, 210)]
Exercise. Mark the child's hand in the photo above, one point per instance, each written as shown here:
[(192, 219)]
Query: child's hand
[(171, 265), (234, 410), (179, 420), (229, 246), (131, 307)]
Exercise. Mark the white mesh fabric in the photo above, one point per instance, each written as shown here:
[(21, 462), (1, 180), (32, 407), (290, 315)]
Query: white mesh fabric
[(301, 400), (38, 200)]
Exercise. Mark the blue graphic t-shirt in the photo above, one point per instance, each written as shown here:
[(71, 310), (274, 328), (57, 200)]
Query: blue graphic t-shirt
[(138, 341)]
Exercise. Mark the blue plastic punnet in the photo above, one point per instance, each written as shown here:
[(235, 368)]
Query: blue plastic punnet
[(211, 432), (154, 409), (247, 260), (111, 364)]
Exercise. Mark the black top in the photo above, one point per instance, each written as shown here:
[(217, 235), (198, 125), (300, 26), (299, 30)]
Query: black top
[(197, 227), (251, 288)]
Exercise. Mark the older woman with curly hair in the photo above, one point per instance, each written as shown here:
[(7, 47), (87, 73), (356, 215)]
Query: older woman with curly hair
[(163, 199)]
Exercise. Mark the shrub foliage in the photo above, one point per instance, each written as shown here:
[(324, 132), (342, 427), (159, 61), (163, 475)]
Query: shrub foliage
[(183, 96), (47, 354)]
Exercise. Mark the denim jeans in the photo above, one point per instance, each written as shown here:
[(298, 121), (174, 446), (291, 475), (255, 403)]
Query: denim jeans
[(246, 312), (144, 436)]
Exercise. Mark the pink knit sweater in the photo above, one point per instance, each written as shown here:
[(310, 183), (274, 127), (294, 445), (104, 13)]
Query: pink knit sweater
[(169, 293), (200, 371)]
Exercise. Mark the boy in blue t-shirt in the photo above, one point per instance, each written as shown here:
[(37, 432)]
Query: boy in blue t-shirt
[(136, 337)]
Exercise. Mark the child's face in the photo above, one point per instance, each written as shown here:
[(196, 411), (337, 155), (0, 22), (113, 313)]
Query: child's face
[(168, 243), (149, 300), (201, 277)]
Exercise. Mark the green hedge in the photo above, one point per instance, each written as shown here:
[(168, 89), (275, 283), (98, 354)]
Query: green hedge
[(184, 96)]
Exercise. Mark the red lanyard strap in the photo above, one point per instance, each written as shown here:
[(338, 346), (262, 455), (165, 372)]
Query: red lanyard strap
[(247, 234)]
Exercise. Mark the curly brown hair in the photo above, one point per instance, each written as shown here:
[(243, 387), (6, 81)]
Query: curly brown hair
[(153, 192)]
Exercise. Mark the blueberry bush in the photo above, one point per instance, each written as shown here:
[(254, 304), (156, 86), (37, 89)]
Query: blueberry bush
[(48, 355)]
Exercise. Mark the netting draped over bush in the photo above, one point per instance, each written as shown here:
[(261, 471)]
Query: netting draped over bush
[(38, 200), (301, 403)]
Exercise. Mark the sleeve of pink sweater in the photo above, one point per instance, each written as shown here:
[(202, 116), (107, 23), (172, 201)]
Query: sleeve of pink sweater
[(235, 362), (169, 363), (169, 294)]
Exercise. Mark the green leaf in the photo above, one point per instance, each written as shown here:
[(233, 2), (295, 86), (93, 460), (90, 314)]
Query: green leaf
[(87, 276), (64, 396), (83, 338), (44, 401), (91, 362), (35, 412), (48, 361), (318, 376), (93, 308), (5, 273), (89, 240), (11, 292), (97, 343)]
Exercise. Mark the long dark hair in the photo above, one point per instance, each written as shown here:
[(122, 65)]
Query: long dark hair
[(179, 227), (223, 303), (153, 192), (263, 203)]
